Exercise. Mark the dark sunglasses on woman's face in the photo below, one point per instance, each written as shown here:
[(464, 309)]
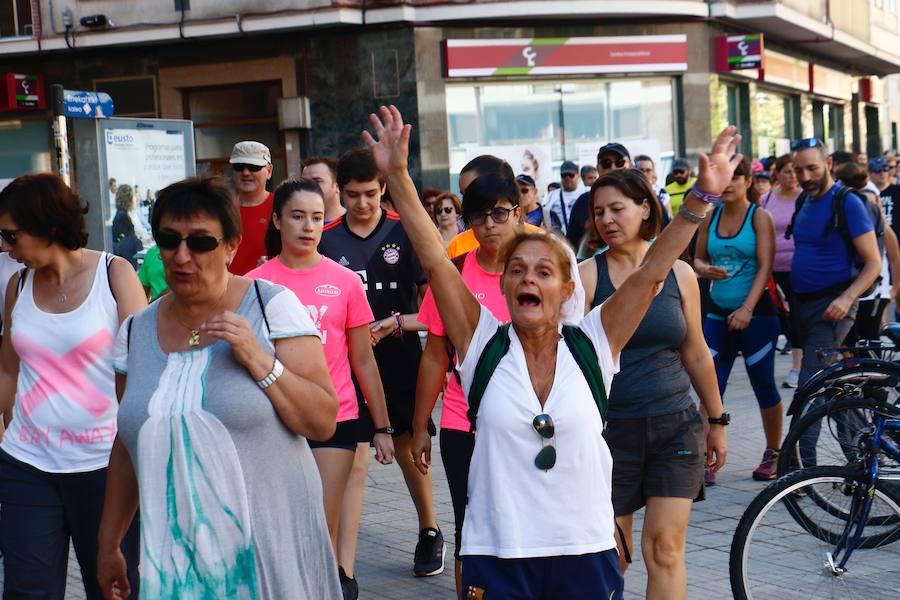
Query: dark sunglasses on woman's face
[(546, 458), (239, 168), (444, 209), (497, 215), (9, 236), (607, 163), (169, 240)]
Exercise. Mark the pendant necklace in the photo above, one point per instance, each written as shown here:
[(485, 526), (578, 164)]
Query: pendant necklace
[(61, 296), (194, 339)]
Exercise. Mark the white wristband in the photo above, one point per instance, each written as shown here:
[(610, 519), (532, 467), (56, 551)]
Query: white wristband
[(272, 377)]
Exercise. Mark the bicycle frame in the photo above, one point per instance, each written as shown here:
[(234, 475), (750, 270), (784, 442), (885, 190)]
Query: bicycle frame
[(802, 393)]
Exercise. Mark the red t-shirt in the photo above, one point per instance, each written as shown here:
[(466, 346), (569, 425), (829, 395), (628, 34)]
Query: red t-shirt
[(254, 220)]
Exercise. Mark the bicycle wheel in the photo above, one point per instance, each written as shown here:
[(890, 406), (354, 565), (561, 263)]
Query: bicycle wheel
[(821, 387), (774, 556)]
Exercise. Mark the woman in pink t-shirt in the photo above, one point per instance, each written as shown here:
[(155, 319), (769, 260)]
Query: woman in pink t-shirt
[(336, 301), (481, 269), (780, 203)]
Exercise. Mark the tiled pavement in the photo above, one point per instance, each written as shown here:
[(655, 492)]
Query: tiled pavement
[(388, 534)]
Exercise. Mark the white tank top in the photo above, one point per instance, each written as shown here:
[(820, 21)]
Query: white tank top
[(64, 419)]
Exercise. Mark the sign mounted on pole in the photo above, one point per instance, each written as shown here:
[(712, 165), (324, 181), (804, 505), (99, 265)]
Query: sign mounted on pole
[(739, 52), (87, 105), (565, 56)]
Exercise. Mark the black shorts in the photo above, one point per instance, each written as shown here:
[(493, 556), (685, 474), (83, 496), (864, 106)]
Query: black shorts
[(401, 405), (345, 437), (456, 454), (656, 456)]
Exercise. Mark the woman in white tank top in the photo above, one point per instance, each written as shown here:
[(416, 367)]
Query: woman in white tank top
[(57, 384)]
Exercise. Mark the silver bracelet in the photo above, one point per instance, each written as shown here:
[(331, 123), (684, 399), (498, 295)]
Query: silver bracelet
[(272, 377), (692, 217)]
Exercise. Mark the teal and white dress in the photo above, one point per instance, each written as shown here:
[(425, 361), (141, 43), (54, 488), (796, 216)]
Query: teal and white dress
[(231, 500)]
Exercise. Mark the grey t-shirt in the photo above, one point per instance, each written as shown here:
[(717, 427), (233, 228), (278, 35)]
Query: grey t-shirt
[(231, 500)]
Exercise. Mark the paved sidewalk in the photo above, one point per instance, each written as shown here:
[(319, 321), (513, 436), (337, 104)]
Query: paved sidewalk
[(389, 527)]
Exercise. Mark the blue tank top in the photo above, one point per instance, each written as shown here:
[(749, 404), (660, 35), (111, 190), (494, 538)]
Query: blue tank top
[(735, 254)]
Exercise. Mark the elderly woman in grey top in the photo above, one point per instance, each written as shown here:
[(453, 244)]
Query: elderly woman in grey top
[(225, 380)]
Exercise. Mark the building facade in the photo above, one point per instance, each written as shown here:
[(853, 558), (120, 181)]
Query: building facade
[(536, 82)]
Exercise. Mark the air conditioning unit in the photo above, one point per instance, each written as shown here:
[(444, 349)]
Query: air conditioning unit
[(293, 113)]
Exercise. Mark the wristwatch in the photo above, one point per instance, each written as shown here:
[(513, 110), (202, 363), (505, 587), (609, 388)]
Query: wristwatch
[(725, 419), (387, 430)]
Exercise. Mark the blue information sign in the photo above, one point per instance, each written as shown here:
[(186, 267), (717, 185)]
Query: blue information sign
[(87, 105)]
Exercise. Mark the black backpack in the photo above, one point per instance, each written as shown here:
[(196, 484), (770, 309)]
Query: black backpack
[(838, 222)]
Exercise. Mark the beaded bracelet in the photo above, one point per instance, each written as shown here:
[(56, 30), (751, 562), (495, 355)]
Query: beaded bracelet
[(398, 324), (703, 196), (692, 217)]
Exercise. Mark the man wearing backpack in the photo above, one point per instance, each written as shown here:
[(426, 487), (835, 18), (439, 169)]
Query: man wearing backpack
[(836, 257)]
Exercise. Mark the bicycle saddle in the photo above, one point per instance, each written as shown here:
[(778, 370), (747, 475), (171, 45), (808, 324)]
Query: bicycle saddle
[(892, 331)]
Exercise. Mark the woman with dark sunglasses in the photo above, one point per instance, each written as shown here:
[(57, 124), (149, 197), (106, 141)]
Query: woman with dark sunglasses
[(539, 522), (223, 380), (62, 312), (447, 211), (655, 432), (735, 251)]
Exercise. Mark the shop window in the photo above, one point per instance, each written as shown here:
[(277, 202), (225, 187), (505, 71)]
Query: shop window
[(225, 115), (15, 18), (775, 124), (873, 131), (132, 96), (828, 124), (24, 148), (733, 101)]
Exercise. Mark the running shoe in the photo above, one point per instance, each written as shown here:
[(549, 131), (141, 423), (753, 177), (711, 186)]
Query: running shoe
[(709, 477), (349, 586), (429, 556), (792, 379), (768, 467)]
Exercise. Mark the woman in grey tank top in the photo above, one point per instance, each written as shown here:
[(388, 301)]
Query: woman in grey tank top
[(654, 432)]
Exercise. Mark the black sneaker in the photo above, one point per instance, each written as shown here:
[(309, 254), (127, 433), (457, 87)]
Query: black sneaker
[(429, 557), (349, 587)]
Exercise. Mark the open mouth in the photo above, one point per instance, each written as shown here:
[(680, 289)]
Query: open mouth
[(528, 300)]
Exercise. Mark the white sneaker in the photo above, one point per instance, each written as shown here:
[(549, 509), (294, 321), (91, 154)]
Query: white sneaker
[(792, 379)]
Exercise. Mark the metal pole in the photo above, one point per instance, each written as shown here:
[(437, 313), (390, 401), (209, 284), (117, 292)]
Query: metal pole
[(60, 134)]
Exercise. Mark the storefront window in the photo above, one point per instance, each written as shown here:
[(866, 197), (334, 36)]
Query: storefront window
[(24, 148), (774, 123), (828, 124), (545, 123)]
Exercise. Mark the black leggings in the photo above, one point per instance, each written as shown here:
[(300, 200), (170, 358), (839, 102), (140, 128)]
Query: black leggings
[(788, 326), (456, 454), (40, 513)]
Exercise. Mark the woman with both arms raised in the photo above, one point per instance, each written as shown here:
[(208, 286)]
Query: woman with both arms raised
[(536, 526)]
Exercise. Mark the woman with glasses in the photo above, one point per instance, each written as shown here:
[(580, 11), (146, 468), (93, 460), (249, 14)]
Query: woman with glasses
[(735, 252), (336, 301), (780, 203), (62, 312), (539, 520), (655, 433), (224, 378), (447, 212)]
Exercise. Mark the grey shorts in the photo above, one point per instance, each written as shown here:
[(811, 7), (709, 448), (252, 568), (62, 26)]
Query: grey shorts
[(656, 456)]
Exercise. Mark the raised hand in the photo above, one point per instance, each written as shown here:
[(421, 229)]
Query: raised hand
[(717, 168), (390, 146)]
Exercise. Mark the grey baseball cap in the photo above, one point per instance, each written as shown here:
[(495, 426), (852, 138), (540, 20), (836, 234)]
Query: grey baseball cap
[(250, 153)]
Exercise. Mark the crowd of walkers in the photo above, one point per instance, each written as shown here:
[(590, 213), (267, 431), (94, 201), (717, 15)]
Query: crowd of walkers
[(216, 442)]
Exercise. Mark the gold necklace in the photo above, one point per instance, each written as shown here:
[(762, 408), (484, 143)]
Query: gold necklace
[(194, 340), (61, 296)]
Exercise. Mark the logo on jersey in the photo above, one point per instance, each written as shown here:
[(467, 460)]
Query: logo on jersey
[(328, 290), (344, 262), (391, 253)]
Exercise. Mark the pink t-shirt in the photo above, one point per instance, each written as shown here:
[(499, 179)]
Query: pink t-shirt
[(486, 288), (782, 209), (335, 299)]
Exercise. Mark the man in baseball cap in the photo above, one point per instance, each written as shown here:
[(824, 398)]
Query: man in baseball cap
[(680, 185), (251, 164), (532, 211), (610, 157), (559, 202)]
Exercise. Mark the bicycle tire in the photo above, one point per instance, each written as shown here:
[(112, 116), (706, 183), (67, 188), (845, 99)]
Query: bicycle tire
[(766, 503), (818, 383)]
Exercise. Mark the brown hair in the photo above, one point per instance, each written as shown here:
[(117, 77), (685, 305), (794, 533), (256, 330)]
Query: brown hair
[(319, 159), (782, 161), (635, 185), (43, 205), (851, 174), (744, 169), (198, 196), (559, 250), (452, 198)]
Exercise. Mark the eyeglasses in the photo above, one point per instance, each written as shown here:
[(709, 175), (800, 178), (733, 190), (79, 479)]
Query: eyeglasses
[(607, 163), (546, 458), (497, 215), (239, 168), (9, 236), (169, 240), (567, 175), (806, 143), (444, 209)]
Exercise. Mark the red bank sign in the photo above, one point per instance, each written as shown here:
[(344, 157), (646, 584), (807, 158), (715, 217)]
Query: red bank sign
[(565, 56)]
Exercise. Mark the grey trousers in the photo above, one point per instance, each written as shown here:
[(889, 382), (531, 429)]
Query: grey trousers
[(817, 333)]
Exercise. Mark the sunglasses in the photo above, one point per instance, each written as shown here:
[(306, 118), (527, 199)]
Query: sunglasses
[(168, 240), (497, 215), (607, 163), (239, 168), (444, 209), (568, 175), (546, 458), (806, 143), (881, 169), (9, 236)]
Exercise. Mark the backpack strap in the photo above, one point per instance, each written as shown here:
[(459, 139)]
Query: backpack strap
[(491, 355), (798, 204), (262, 306), (22, 278), (585, 355)]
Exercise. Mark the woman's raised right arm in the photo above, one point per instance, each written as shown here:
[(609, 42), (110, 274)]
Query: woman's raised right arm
[(458, 307)]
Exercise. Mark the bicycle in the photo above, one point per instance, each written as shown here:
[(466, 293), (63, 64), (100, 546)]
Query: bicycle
[(797, 537)]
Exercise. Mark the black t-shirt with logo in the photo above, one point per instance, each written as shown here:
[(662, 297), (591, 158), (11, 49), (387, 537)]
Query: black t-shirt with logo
[(890, 200), (391, 275)]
